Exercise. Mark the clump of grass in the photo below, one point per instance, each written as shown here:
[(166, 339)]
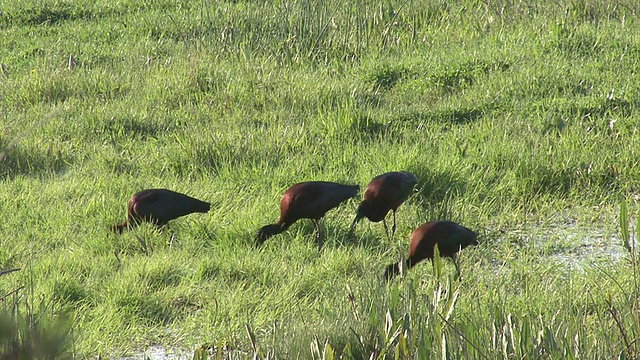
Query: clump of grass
[(624, 310), (30, 330)]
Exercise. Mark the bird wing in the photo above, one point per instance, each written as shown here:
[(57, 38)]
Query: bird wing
[(155, 205), (455, 242)]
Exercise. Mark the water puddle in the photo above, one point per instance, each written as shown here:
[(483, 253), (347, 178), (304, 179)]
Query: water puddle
[(158, 352), (569, 243)]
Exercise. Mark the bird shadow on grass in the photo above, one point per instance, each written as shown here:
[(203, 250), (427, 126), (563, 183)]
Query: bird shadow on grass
[(14, 161), (435, 187), (343, 238), (146, 238), (368, 129)]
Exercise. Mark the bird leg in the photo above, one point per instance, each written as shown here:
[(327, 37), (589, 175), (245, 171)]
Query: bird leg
[(317, 225), (386, 228), (393, 228)]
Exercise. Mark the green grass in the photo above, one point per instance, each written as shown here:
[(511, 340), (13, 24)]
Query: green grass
[(520, 121)]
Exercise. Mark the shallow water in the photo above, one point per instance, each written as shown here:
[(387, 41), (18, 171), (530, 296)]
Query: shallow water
[(158, 352), (571, 244)]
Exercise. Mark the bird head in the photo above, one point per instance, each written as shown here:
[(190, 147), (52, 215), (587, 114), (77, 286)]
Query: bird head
[(266, 232)]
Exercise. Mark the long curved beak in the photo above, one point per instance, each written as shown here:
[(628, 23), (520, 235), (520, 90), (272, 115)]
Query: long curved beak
[(354, 223)]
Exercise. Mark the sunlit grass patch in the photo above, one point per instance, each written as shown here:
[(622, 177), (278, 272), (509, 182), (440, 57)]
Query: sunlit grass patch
[(519, 121)]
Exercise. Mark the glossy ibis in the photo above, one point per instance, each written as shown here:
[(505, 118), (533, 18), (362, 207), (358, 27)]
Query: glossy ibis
[(449, 236), (385, 192), (307, 200), (159, 206)]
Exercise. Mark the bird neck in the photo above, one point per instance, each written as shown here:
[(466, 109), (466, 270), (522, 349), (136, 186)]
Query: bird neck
[(119, 228), (392, 270), (412, 261), (371, 212), (364, 210)]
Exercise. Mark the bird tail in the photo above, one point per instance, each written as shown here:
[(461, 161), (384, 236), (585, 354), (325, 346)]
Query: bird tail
[(202, 206), (354, 190)]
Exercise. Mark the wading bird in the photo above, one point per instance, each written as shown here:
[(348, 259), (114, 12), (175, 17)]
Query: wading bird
[(159, 206), (385, 192), (307, 200), (449, 236)]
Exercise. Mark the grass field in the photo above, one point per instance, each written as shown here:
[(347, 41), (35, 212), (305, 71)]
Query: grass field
[(520, 121)]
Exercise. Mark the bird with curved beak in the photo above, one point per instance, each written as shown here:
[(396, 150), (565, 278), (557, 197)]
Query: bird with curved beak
[(307, 200), (449, 236), (159, 206), (384, 193)]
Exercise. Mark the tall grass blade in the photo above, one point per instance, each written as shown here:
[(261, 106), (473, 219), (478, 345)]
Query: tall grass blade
[(252, 338), (624, 226), (437, 264), (328, 353)]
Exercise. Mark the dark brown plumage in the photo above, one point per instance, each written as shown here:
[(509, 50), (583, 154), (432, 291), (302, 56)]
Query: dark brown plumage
[(307, 200), (159, 206), (385, 192), (448, 235)]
